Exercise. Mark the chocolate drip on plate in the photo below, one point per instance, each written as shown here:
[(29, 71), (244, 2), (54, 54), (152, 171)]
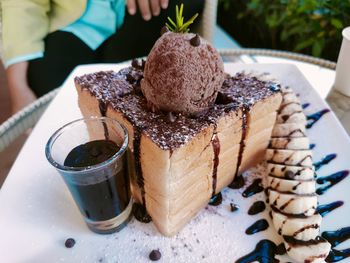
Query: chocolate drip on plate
[(337, 255), (325, 160), (325, 209), (264, 252), (337, 237), (216, 149), (313, 118), (140, 213), (258, 226), (332, 179), (237, 183), (256, 208), (216, 200), (254, 188)]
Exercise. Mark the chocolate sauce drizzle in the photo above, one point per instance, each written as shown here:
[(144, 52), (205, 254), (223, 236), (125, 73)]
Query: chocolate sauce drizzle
[(140, 213), (325, 160), (254, 188), (313, 118), (216, 148), (216, 200), (258, 226), (337, 255), (256, 208), (138, 167), (245, 110), (293, 242), (335, 238), (264, 252), (332, 179), (103, 109), (327, 208)]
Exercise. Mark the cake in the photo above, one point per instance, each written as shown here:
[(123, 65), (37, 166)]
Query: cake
[(192, 128), (179, 162)]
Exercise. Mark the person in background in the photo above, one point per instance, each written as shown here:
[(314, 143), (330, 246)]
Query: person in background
[(44, 40)]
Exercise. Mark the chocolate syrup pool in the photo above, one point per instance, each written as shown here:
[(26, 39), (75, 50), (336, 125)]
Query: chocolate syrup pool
[(105, 199)]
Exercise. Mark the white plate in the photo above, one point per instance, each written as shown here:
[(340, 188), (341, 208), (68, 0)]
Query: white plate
[(37, 212)]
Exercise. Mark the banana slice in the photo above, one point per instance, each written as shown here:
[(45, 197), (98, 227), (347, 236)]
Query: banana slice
[(300, 143), (300, 228), (291, 172), (294, 117), (293, 204), (290, 130), (308, 253), (291, 186), (290, 157), (289, 108)]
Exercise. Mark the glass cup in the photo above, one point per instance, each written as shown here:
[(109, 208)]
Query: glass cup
[(90, 155), (342, 76)]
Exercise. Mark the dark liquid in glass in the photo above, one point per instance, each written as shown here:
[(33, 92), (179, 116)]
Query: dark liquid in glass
[(99, 200)]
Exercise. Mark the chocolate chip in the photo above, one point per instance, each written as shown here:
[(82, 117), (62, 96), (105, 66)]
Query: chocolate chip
[(164, 30), (70, 242), (155, 255), (135, 64), (233, 207), (289, 175), (195, 41)]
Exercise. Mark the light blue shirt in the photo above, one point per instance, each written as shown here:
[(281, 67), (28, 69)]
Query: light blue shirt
[(100, 20)]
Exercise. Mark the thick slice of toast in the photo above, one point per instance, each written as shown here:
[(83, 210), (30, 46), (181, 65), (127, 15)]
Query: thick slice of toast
[(178, 163)]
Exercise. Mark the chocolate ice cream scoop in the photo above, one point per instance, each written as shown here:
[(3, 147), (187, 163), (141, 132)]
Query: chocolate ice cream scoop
[(183, 74)]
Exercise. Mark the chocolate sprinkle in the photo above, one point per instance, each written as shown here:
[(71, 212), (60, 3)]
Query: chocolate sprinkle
[(155, 255), (195, 41)]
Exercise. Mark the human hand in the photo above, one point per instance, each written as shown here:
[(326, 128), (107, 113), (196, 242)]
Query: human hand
[(20, 92), (146, 6)]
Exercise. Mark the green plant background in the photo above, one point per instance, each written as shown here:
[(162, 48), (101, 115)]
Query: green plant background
[(306, 26)]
